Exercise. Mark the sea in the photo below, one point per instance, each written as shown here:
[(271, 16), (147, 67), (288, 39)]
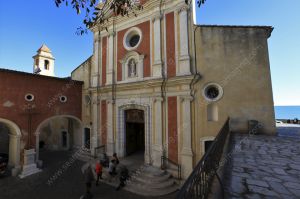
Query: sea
[(287, 112)]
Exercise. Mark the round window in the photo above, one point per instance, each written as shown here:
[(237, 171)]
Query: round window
[(132, 38), (212, 92), (29, 97), (63, 99)]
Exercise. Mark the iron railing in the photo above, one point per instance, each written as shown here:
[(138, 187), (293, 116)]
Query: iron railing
[(166, 161), (199, 183), (99, 150)]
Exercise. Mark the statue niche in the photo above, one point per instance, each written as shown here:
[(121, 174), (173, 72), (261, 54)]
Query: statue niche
[(132, 68)]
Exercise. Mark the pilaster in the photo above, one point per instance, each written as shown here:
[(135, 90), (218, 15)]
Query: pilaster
[(95, 120), (186, 151), (110, 136), (110, 60), (184, 57), (157, 64), (158, 143)]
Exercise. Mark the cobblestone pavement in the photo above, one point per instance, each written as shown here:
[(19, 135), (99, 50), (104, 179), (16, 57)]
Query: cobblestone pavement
[(263, 167), (68, 185)]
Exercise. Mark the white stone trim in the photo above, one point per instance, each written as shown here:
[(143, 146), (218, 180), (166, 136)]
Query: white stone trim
[(120, 136), (14, 143), (158, 131), (219, 87), (157, 63), (186, 151), (139, 59), (184, 57), (129, 33), (110, 142), (31, 95), (61, 98), (96, 53), (110, 59)]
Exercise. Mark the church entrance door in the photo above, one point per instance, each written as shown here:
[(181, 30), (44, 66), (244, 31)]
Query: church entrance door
[(135, 131)]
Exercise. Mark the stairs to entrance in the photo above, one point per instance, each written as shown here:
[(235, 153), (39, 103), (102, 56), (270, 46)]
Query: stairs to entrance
[(151, 181), (144, 180), (83, 155)]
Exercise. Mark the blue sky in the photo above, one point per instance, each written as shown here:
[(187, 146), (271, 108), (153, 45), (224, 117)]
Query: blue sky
[(26, 24)]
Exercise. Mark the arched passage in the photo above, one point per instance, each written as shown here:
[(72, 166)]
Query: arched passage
[(14, 147), (62, 132)]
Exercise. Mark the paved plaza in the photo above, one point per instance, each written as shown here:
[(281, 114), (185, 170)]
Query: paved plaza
[(263, 167), (68, 184)]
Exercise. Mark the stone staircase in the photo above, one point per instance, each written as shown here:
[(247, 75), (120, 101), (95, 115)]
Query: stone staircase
[(144, 180), (83, 155), (151, 181)]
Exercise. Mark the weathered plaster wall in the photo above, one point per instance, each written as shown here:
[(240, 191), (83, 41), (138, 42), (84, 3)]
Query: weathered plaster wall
[(237, 59)]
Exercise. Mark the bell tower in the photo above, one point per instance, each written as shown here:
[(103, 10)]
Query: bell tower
[(43, 62)]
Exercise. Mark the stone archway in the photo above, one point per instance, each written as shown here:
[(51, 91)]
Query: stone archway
[(74, 139), (121, 134), (14, 143)]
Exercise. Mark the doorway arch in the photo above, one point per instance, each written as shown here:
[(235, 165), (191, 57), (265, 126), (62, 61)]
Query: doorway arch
[(121, 134), (76, 139), (14, 142)]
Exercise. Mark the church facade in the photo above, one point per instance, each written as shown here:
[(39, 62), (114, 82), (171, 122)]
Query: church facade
[(159, 84)]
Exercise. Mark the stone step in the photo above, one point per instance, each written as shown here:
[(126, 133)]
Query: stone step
[(153, 172), (173, 172), (146, 181), (150, 192), (157, 179), (84, 155), (153, 185)]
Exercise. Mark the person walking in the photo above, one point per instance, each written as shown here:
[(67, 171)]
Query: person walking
[(98, 171), (123, 177), (88, 178), (112, 167), (115, 157)]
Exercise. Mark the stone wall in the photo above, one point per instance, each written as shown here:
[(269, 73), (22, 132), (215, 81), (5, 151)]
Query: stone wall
[(237, 59)]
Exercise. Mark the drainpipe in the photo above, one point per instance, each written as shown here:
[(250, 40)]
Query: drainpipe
[(163, 85), (98, 87), (113, 85)]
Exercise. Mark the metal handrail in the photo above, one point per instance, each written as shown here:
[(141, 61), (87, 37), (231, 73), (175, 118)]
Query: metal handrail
[(163, 166), (199, 182)]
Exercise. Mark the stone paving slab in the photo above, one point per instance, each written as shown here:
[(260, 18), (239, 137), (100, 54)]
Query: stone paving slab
[(263, 167), (69, 184)]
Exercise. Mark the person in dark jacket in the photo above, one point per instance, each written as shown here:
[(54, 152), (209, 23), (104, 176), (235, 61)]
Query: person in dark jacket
[(115, 157), (123, 177)]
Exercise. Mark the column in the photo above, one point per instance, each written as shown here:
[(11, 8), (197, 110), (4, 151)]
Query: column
[(110, 60), (95, 120), (186, 152), (158, 132), (95, 60), (184, 58), (14, 154), (109, 127), (157, 64)]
